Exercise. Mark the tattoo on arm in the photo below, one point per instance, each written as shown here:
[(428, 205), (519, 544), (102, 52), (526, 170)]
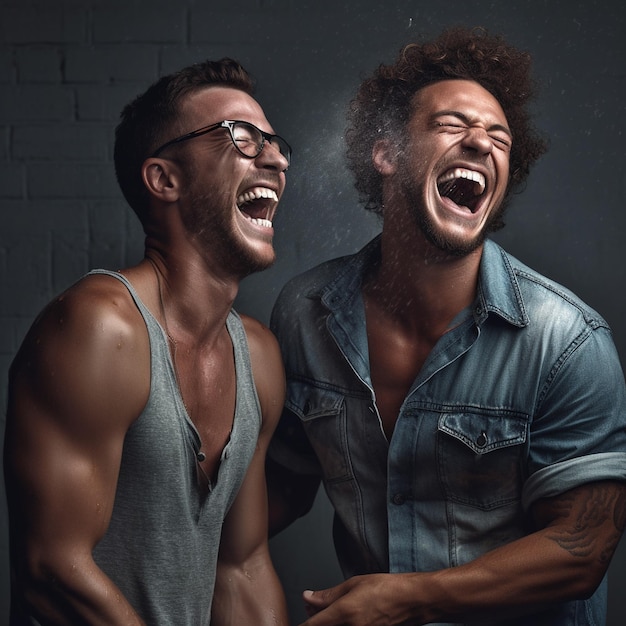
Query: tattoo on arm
[(591, 507)]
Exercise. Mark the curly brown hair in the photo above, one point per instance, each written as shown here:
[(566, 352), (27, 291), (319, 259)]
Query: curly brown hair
[(384, 102)]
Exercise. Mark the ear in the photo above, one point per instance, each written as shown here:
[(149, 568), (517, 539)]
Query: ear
[(161, 178), (384, 156)]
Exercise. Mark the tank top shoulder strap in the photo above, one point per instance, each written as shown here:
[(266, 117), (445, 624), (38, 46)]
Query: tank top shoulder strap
[(150, 320), (140, 305), (246, 389)]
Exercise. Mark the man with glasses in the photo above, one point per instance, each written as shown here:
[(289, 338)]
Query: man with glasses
[(466, 415), (140, 404)]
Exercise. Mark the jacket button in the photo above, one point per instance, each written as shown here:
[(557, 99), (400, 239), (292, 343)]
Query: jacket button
[(481, 442), (398, 499)]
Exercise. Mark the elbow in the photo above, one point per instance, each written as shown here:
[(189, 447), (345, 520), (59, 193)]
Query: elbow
[(284, 509), (279, 517), (586, 580), (290, 496), (33, 574), (31, 587), (39, 582)]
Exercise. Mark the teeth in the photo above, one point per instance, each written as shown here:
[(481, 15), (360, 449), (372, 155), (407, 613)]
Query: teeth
[(459, 172), (257, 193), (260, 222)]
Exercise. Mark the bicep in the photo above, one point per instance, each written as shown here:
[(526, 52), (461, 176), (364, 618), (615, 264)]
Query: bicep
[(587, 521), (245, 528), (63, 473), (244, 532), (72, 397)]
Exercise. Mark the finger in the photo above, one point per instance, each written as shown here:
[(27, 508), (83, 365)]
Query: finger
[(310, 609), (322, 598), (317, 617), (315, 600)]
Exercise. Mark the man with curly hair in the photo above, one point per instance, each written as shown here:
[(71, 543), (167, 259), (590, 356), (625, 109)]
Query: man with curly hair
[(465, 414)]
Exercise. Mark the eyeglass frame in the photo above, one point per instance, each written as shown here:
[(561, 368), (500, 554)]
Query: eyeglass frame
[(229, 125)]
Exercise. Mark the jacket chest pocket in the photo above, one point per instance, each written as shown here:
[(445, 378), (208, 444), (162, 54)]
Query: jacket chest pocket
[(480, 457), (322, 414)]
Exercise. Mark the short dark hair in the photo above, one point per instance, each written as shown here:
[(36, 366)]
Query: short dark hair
[(146, 120), (384, 102)]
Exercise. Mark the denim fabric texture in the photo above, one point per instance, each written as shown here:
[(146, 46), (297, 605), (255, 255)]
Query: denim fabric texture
[(523, 399)]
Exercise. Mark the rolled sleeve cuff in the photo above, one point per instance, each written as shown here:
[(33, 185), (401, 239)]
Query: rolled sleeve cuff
[(560, 477)]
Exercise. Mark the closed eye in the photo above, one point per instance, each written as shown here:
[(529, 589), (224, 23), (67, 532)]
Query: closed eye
[(455, 122), (451, 126), (502, 142)]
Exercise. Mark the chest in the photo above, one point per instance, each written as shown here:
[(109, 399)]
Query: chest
[(397, 354), (395, 363), (208, 387)]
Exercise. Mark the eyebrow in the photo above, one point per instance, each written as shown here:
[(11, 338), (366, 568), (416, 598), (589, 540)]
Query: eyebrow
[(466, 120)]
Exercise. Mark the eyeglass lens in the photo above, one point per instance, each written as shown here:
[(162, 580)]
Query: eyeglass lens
[(249, 140)]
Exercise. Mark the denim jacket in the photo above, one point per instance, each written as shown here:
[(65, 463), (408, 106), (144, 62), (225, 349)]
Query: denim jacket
[(523, 399)]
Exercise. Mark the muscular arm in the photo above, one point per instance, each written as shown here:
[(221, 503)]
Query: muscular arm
[(564, 559), (75, 387), (247, 590)]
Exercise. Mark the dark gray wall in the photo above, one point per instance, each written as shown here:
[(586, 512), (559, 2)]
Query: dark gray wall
[(67, 67)]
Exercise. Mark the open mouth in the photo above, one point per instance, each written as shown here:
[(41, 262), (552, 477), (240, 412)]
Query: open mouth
[(464, 187), (258, 204)]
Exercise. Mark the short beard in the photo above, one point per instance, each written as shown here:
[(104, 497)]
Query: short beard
[(450, 246), (215, 229)]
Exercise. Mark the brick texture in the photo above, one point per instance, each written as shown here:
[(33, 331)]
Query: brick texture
[(67, 67)]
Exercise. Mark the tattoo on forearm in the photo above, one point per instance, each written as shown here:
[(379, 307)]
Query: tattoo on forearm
[(603, 504)]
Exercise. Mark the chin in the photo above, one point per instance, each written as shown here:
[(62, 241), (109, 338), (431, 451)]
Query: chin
[(452, 244), (250, 262)]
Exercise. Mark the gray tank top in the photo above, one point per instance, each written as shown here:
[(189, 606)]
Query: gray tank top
[(161, 546)]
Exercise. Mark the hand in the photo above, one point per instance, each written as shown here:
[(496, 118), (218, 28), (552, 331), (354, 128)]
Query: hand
[(371, 600)]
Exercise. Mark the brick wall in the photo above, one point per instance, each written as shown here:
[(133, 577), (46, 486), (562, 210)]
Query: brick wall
[(68, 66)]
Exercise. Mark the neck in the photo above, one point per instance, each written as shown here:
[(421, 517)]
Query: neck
[(193, 303), (421, 289)]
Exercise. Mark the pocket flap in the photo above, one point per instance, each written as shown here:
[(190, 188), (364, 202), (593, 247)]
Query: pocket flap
[(310, 402), (485, 432)]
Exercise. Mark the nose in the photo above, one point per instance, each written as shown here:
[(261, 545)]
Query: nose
[(272, 157), (477, 139)]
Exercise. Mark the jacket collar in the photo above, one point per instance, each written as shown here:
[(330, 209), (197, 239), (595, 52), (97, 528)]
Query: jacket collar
[(498, 288)]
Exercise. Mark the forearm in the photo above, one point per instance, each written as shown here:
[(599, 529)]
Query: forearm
[(249, 594), (523, 577), (565, 559), (74, 594)]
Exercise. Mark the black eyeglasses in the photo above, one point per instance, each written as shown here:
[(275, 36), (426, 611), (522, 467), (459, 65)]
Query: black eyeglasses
[(247, 139)]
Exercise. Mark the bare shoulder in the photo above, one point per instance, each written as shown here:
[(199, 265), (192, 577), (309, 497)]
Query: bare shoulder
[(96, 312), (267, 367), (261, 341), (89, 344)]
